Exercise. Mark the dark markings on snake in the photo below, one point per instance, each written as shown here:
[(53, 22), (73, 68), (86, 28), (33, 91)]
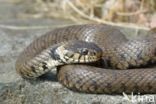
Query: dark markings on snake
[(78, 81), (54, 54), (69, 55), (27, 74), (66, 58), (123, 56), (93, 84), (79, 58), (67, 79), (109, 85), (44, 66), (33, 69), (21, 72), (139, 55)]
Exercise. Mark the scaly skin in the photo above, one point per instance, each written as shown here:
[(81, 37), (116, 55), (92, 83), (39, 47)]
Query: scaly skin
[(118, 51)]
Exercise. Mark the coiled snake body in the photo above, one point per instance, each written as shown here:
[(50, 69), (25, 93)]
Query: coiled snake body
[(118, 52)]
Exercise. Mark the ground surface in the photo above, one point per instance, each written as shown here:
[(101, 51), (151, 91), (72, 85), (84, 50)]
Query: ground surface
[(16, 34)]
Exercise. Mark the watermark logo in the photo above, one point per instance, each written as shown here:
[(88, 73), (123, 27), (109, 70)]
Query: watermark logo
[(143, 99)]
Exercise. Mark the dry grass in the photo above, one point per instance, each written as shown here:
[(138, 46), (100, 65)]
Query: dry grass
[(137, 12)]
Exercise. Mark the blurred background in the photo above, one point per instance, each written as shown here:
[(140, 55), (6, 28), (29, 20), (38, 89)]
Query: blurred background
[(136, 12)]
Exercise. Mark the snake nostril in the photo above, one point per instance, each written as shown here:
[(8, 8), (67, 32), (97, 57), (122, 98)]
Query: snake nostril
[(94, 53)]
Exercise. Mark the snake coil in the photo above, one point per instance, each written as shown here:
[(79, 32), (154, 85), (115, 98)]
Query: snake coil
[(118, 52)]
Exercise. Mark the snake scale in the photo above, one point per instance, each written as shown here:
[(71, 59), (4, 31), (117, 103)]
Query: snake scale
[(118, 52)]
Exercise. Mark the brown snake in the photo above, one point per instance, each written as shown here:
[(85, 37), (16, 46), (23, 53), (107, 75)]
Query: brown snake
[(118, 51)]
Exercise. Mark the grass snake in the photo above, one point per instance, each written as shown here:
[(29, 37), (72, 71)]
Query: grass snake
[(123, 66)]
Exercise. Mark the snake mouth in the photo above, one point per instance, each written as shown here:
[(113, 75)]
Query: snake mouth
[(77, 58)]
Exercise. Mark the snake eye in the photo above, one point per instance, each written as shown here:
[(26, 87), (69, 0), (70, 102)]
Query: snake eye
[(84, 51)]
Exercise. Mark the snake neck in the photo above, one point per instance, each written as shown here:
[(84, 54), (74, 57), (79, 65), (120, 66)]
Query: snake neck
[(51, 58), (44, 62)]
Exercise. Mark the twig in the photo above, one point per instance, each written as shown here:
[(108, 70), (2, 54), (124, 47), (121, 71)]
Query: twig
[(131, 13), (99, 20), (29, 27)]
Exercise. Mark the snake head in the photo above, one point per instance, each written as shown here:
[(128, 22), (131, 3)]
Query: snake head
[(79, 52)]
